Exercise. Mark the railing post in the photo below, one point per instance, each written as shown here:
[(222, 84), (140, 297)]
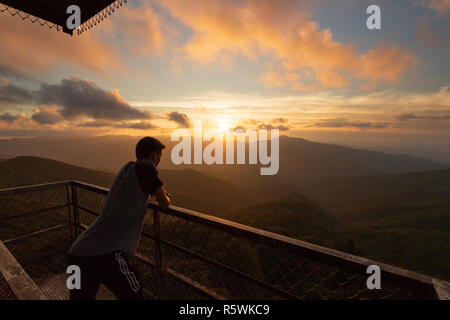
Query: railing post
[(76, 216), (157, 253), (68, 211)]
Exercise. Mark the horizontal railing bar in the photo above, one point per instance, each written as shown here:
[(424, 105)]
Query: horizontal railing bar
[(32, 188), (90, 187), (87, 210), (229, 269), (32, 234), (405, 278), (33, 212)]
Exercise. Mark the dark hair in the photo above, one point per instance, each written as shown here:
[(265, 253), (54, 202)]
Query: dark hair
[(146, 146)]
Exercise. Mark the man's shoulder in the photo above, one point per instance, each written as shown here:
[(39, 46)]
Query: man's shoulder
[(127, 166), (145, 167), (148, 178)]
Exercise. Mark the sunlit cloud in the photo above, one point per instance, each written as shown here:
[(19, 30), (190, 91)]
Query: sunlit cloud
[(77, 97), (343, 123), (140, 34), (413, 116), (46, 115), (30, 49), (181, 119), (11, 94), (72, 98), (271, 127), (284, 31), (8, 117), (443, 6), (100, 50), (384, 65), (61, 106), (279, 120)]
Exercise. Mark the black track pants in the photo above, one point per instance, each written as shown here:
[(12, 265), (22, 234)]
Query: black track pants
[(113, 270)]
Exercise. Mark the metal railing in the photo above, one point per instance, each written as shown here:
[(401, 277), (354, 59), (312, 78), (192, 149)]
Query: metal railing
[(185, 254)]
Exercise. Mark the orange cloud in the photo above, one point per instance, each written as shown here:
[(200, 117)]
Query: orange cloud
[(46, 115), (440, 5), (141, 29), (224, 25), (273, 80), (384, 65), (286, 32), (332, 79), (28, 47)]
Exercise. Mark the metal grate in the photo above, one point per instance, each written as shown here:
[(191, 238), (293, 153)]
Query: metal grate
[(188, 255), (237, 267), (56, 289)]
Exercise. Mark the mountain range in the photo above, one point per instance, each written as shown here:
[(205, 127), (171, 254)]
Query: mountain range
[(379, 209), (300, 160)]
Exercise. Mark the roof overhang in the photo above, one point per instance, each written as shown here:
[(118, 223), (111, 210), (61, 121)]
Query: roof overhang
[(53, 13)]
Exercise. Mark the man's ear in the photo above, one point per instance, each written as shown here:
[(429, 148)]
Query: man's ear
[(154, 156)]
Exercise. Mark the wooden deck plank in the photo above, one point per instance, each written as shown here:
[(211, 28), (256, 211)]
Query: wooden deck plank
[(18, 280)]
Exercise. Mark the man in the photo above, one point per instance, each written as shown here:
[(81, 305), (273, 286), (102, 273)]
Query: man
[(102, 250)]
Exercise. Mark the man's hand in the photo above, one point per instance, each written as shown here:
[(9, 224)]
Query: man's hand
[(162, 197)]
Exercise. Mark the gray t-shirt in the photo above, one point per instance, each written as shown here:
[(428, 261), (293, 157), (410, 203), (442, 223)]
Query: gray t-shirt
[(120, 224)]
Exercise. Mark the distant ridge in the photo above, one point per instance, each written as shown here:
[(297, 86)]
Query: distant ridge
[(28, 170), (190, 188), (301, 161), (294, 216), (405, 188), (307, 161)]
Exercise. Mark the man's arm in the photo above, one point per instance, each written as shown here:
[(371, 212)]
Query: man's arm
[(162, 198)]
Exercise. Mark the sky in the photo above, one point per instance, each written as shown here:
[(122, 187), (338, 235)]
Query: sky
[(312, 69)]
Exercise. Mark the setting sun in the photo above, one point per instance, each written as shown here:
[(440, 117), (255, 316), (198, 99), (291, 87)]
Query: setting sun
[(224, 125)]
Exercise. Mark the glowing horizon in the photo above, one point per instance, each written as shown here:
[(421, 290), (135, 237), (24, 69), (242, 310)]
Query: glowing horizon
[(311, 69)]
